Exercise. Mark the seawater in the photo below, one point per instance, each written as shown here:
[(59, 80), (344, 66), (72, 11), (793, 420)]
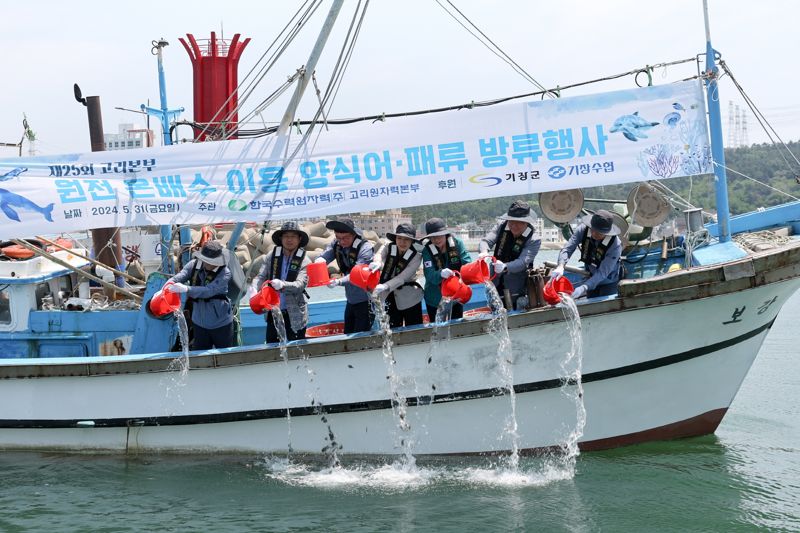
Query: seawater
[(744, 478)]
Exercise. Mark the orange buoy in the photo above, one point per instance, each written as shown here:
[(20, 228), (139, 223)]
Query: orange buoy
[(15, 251), (64, 243)]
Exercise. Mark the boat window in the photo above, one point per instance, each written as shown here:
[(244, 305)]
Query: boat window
[(5, 306)]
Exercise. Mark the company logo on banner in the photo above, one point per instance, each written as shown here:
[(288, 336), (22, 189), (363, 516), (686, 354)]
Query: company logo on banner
[(504, 150)]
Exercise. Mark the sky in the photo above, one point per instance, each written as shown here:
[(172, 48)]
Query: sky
[(410, 55)]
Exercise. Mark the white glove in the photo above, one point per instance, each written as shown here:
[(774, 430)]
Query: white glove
[(446, 273), (579, 291), (499, 267), (320, 259), (374, 266), (557, 272), (277, 284), (381, 287), (179, 288), (334, 283), (484, 255)]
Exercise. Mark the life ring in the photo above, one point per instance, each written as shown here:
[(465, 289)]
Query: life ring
[(15, 251)]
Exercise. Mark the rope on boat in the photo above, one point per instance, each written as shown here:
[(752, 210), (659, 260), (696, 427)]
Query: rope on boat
[(759, 241)]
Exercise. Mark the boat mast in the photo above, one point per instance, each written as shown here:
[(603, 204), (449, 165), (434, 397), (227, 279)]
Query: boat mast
[(165, 116), (281, 136), (715, 124)]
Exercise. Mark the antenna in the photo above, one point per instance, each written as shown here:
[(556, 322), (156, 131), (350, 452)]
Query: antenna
[(744, 137)]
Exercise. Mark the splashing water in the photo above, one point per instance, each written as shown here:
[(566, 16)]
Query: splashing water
[(393, 478), (280, 329), (178, 368), (572, 384), (498, 329), (404, 434)]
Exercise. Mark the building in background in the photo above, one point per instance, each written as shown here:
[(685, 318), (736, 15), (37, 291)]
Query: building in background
[(130, 136), (381, 223)]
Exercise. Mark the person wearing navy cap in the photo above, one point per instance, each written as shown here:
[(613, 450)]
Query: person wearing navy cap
[(514, 244), (349, 249), (601, 254)]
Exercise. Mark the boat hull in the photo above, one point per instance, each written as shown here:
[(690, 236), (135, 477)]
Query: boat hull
[(656, 365)]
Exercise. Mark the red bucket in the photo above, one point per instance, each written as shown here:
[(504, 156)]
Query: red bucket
[(553, 287), (257, 303), (476, 272), (165, 303), (317, 274), (453, 287), (361, 276), (269, 296)]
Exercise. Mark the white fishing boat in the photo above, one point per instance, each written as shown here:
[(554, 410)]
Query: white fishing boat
[(662, 359)]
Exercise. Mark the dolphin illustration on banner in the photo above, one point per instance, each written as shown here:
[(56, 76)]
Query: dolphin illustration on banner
[(632, 126), (10, 200)]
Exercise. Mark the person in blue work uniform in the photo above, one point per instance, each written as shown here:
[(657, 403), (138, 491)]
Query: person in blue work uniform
[(349, 248), (442, 254), (514, 243), (205, 279), (285, 270), (601, 253)]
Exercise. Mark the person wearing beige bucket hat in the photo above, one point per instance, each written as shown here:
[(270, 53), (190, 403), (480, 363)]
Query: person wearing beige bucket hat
[(601, 254), (398, 261), (285, 270), (514, 244), (205, 280)]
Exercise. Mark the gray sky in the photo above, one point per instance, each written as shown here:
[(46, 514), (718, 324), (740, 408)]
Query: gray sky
[(410, 55)]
